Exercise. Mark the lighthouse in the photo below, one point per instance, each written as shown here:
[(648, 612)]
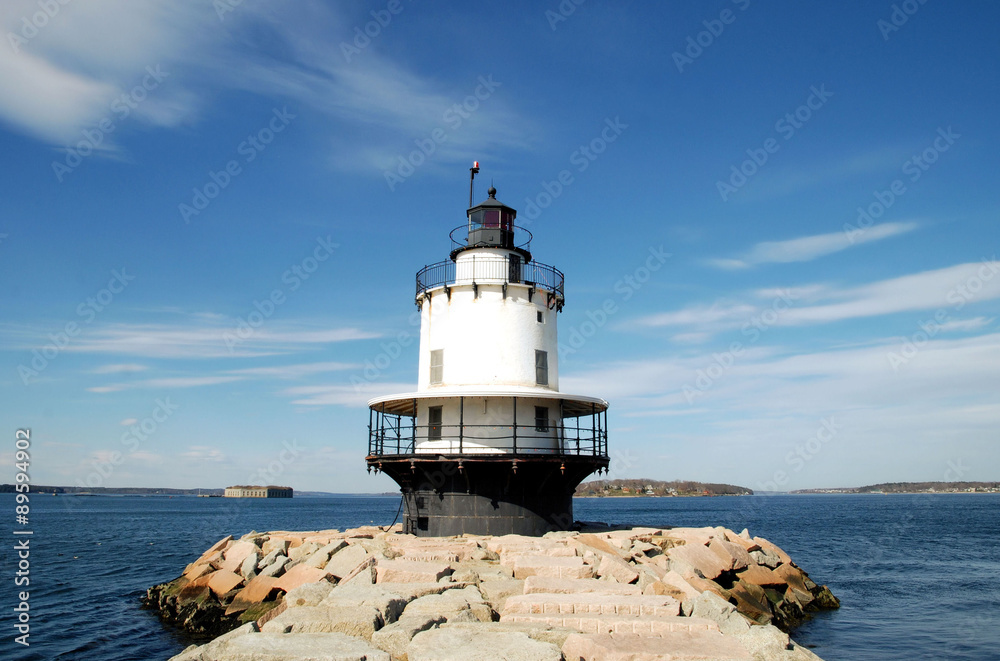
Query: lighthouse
[(487, 444)]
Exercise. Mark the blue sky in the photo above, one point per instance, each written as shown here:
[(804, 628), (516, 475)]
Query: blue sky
[(212, 215)]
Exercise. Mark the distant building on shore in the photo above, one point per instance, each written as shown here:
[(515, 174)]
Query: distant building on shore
[(243, 491)]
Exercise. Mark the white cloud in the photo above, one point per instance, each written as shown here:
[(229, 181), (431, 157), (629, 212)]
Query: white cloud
[(65, 79), (702, 315), (807, 248), (949, 289), (201, 340), (297, 371), (169, 382), (895, 421), (120, 368), (204, 453), (344, 395), (966, 325)]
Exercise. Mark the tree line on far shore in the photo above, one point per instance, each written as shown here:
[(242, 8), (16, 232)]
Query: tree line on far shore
[(647, 487)]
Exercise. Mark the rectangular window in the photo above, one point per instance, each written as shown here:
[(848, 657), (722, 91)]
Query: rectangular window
[(541, 368), (541, 319), (541, 418), (437, 366), (434, 414), (514, 268)]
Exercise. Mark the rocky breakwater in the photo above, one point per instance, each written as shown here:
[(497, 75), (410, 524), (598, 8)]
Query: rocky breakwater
[(599, 595)]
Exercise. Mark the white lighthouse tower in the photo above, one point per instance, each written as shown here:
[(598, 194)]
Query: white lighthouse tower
[(487, 444)]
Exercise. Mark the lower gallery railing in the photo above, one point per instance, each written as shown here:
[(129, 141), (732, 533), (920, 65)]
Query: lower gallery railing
[(391, 435)]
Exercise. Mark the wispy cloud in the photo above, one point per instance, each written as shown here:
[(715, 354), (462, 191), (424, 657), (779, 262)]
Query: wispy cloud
[(208, 340), (120, 368), (204, 453), (343, 394), (65, 79), (297, 371), (170, 382), (950, 288), (941, 384), (807, 248)]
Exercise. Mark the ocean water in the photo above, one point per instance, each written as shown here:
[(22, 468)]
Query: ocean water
[(916, 575)]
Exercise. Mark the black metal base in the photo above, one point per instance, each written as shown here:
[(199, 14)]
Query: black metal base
[(446, 496)]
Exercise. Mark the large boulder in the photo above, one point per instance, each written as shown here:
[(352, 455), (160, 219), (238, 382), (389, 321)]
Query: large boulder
[(360, 621), (698, 559), (395, 638), (299, 647), (674, 646), (552, 567), (346, 561), (713, 607), (473, 644), (410, 571), (464, 605)]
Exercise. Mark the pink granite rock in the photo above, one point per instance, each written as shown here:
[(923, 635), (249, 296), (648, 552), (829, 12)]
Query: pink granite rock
[(347, 560), (591, 604), (768, 546), (644, 625), (762, 576), (236, 554), (256, 591), (733, 554), (702, 560), (546, 585), (674, 646), (618, 569), (298, 575), (543, 565), (410, 571), (223, 581)]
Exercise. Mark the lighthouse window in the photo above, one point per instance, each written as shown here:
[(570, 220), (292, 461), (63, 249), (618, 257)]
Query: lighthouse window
[(437, 366), (542, 367), (434, 423), (541, 418), (541, 319)]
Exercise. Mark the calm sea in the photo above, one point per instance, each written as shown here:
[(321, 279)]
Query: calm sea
[(917, 575)]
